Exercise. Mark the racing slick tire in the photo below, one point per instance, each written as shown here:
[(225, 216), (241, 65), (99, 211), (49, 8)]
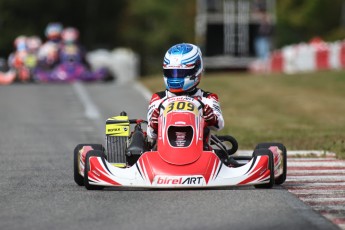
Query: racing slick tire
[(265, 152), (281, 179), (79, 179), (91, 153)]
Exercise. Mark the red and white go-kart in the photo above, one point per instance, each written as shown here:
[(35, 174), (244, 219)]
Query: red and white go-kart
[(179, 158)]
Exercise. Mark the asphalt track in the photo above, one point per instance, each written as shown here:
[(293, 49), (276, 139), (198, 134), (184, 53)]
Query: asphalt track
[(39, 127)]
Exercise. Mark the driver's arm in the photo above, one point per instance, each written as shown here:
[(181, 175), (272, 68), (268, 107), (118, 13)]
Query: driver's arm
[(152, 116), (212, 102)]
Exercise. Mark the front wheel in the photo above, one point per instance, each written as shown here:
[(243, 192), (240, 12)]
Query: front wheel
[(92, 153), (281, 179), (78, 178), (266, 152)]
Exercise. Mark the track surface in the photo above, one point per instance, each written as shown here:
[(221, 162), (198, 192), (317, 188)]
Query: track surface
[(39, 127)]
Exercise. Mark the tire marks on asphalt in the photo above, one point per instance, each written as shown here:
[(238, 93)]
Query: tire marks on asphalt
[(320, 183)]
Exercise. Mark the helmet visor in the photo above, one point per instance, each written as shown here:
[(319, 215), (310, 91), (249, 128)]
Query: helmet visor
[(178, 73)]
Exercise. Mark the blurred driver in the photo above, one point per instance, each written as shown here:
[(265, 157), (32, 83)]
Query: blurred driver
[(48, 53)]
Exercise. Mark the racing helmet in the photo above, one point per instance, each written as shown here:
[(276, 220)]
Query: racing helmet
[(182, 68), (33, 43), (20, 43), (70, 35), (53, 31)]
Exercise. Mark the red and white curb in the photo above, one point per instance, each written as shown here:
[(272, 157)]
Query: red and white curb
[(320, 183)]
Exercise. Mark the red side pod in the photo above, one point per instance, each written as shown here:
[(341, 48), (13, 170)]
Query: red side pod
[(145, 162), (260, 172), (98, 172)]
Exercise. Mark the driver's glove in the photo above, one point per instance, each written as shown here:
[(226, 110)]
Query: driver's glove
[(209, 116), (154, 120)]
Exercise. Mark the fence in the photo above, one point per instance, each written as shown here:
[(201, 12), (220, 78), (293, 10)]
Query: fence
[(303, 57)]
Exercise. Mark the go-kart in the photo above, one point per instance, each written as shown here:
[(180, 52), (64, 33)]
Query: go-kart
[(182, 157), (70, 68), (7, 77), (21, 71)]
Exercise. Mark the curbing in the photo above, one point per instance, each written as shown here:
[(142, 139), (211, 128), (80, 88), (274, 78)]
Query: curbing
[(295, 153)]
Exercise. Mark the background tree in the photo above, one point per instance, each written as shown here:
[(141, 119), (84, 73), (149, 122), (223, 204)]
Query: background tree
[(301, 20), (98, 21), (153, 26), (149, 27)]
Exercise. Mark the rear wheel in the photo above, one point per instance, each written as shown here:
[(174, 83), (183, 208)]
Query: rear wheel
[(281, 179), (96, 153), (266, 152), (79, 180)]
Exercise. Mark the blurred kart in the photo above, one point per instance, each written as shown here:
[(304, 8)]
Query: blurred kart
[(71, 68), (6, 76), (181, 158)]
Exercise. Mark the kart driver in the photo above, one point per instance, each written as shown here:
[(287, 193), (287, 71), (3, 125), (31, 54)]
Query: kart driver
[(48, 54), (182, 69)]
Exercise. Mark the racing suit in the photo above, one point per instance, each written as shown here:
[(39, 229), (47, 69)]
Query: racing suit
[(209, 99)]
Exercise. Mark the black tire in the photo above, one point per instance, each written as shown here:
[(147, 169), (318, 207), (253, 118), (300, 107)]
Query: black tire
[(88, 186), (281, 179), (265, 152), (79, 179)]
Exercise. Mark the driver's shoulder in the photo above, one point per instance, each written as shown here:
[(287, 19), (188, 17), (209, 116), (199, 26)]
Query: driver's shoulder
[(207, 94), (158, 96)]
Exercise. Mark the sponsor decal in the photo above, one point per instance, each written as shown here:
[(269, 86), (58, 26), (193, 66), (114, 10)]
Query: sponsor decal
[(180, 98), (196, 180), (217, 108), (117, 129)]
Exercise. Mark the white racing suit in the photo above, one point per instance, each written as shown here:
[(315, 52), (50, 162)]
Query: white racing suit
[(207, 98)]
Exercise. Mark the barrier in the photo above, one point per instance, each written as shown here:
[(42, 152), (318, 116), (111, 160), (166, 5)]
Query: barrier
[(322, 58), (342, 55), (306, 57), (276, 62), (122, 62), (334, 55)]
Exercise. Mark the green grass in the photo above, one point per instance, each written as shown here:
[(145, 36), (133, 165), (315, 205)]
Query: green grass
[(304, 111)]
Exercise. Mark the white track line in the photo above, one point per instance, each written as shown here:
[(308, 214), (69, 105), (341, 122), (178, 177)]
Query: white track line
[(295, 153), (324, 199), (316, 191), (147, 94), (311, 172), (315, 178), (315, 184), (329, 207), (317, 164), (91, 110)]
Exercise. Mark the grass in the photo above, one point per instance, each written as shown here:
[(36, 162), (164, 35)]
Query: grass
[(304, 111)]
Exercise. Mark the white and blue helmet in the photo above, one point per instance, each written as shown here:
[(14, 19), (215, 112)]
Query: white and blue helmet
[(53, 31), (182, 67)]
